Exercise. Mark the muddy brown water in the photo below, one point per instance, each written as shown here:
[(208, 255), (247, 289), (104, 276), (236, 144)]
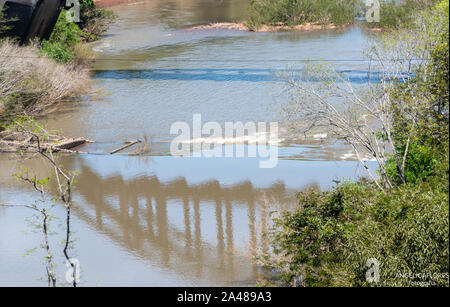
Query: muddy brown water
[(159, 220)]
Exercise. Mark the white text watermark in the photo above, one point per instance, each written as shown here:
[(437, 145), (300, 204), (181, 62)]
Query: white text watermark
[(372, 11), (209, 139), (73, 13)]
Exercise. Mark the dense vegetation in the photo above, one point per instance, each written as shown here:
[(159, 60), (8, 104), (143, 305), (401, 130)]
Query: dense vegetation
[(330, 237), (397, 15), (296, 12), (30, 83), (393, 14), (35, 77), (67, 40)]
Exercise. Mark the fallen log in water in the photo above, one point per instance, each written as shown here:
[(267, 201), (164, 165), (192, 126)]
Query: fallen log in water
[(124, 147), (17, 142), (69, 144)]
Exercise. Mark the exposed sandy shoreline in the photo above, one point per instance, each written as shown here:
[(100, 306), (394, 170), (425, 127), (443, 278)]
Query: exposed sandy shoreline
[(106, 3), (240, 26)]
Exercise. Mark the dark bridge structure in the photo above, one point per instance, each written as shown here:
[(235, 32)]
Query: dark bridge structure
[(27, 20)]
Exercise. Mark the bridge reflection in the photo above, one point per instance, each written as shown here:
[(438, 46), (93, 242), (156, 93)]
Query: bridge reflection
[(194, 230)]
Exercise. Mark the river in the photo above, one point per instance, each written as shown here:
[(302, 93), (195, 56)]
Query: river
[(163, 220)]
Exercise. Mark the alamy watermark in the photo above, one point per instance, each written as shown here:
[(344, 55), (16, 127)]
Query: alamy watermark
[(73, 271), (372, 11), (209, 140), (373, 270), (73, 13)]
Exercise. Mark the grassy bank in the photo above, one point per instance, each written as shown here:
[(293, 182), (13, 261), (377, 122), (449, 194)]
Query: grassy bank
[(35, 78), (290, 13), (297, 12), (334, 238), (398, 15), (31, 82), (68, 40)]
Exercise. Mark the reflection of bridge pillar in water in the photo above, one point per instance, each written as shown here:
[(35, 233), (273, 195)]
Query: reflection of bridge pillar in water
[(220, 236), (187, 226), (229, 233), (149, 215), (137, 231), (98, 199), (263, 206), (197, 232), (124, 215), (119, 212), (162, 220), (252, 226)]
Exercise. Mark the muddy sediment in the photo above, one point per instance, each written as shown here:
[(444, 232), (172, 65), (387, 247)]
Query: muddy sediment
[(106, 3), (241, 26)]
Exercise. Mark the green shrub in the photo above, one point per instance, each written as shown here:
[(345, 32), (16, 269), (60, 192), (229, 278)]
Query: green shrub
[(427, 127), (30, 82), (57, 51), (62, 41), (396, 15), (64, 37), (67, 36), (94, 20), (295, 12), (421, 163), (330, 237)]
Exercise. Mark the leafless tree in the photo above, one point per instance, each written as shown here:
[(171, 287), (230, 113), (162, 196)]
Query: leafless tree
[(43, 211), (361, 115), (64, 182), (41, 81)]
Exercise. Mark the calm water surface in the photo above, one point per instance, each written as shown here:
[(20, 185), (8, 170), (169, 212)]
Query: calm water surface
[(158, 220)]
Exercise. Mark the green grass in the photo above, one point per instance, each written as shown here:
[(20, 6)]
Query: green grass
[(64, 43)]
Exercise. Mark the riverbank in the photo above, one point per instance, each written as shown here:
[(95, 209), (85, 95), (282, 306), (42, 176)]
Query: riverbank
[(108, 3), (242, 26), (36, 78), (32, 84)]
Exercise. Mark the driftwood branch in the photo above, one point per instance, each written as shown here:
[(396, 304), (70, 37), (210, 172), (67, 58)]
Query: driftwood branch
[(124, 147), (31, 146)]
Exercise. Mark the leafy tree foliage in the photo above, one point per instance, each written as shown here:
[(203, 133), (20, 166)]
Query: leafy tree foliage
[(327, 240)]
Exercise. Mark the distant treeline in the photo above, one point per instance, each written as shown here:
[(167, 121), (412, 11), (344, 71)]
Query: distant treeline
[(393, 14)]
